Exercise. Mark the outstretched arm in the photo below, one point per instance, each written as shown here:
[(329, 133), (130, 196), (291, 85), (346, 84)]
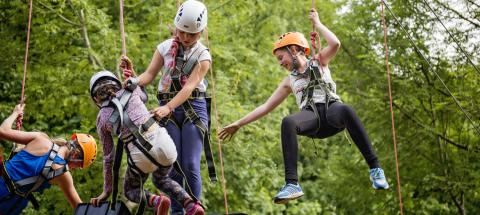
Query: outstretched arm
[(65, 182), (17, 136), (333, 43), (282, 91)]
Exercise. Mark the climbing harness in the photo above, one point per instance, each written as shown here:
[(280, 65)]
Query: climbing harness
[(317, 82), (24, 187)]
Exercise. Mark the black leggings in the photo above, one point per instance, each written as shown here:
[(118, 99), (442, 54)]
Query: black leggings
[(337, 117)]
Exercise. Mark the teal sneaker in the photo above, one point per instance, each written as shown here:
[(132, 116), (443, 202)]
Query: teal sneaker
[(379, 182), (287, 193)]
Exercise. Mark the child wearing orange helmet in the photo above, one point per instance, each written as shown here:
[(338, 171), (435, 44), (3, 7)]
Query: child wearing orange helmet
[(42, 162), (321, 115)]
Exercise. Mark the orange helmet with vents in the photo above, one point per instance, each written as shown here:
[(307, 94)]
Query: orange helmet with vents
[(89, 147), (292, 38)]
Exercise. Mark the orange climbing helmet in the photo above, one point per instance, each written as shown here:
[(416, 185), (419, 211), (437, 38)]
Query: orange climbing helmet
[(88, 145), (292, 38)]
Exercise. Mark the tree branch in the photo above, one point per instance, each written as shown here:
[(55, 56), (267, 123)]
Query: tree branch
[(458, 14), (458, 145), (60, 15), (92, 59)]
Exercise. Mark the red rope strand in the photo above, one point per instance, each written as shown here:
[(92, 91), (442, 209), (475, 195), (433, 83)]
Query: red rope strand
[(385, 44)]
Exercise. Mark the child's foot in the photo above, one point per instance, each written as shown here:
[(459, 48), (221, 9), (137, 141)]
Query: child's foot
[(195, 208), (161, 204), (287, 193), (379, 182)]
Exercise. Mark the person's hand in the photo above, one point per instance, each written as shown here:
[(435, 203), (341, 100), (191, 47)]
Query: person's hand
[(127, 67), (96, 201), (19, 109), (228, 131), (161, 111), (313, 16)]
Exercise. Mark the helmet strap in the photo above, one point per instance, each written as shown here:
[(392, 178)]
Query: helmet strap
[(294, 61)]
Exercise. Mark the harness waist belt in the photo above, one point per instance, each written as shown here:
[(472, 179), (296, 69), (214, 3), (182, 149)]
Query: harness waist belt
[(161, 96)]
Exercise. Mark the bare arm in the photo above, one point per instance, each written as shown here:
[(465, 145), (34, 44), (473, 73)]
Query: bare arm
[(282, 91), (154, 67), (277, 97), (65, 182), (333, 43), (108, 158), (17, 136)]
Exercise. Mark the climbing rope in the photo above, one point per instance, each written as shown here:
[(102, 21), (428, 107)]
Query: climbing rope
[(19, 121), (215, 110), (385, 44), (313, 36), (475, 127), (122, 30)]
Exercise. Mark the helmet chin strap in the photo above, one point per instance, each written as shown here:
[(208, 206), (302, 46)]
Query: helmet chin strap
[(294, 63)]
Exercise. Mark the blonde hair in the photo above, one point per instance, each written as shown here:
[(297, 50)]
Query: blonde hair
[(60, 141)]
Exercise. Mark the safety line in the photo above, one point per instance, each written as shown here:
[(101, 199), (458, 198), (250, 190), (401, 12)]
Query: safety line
[(475, 127), (25, 63), (394, 136), (452, 37)]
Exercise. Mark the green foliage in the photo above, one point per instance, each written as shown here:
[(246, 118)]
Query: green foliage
[(437, 146)]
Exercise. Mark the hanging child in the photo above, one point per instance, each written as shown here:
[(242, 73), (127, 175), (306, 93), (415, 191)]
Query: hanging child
[(42, 162), (321, 115)]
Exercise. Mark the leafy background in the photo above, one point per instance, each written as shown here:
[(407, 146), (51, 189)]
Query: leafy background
[(438, 148)]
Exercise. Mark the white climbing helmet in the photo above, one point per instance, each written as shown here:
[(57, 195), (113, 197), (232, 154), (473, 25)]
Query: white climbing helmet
[(101, 76), (191, 17)]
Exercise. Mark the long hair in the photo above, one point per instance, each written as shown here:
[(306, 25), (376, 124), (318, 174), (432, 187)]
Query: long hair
[(60, 141)]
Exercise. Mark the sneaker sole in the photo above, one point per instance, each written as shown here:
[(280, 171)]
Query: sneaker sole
[(286, 200), (381, 188)]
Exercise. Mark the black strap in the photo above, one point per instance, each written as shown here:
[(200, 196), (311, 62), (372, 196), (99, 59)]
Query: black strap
[(204, 132), (116, 168), (34, 201), (196, 94)]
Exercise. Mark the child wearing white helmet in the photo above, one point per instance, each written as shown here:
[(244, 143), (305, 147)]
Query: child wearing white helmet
[(321, 115), (124, 114), (182, 92)]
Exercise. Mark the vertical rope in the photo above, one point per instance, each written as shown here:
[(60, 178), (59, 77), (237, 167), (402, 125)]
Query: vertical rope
[(313, 35), (385, 44), (25, 63), (122, 30), (214, 99), (215, 110)]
